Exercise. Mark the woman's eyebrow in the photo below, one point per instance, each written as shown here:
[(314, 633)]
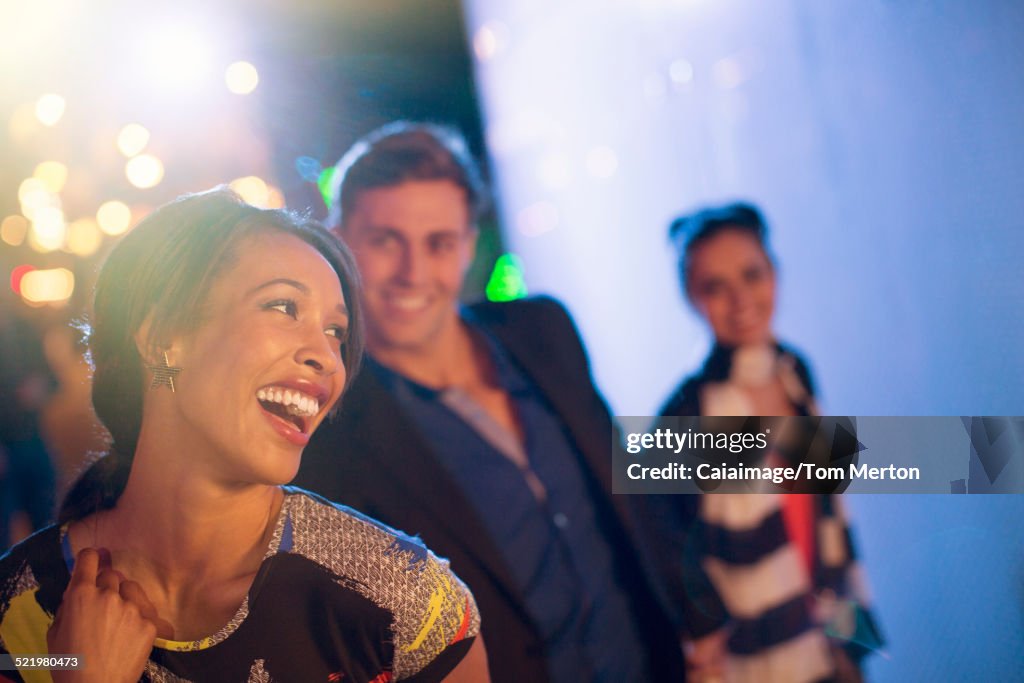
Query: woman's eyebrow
[(280, 281), (341, 308)]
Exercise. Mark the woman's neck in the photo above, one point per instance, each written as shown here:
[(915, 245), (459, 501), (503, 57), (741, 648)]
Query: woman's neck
[(173, 528)]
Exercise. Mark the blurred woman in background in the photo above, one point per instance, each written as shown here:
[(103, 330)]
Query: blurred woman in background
[(782, 564), (222, 335)]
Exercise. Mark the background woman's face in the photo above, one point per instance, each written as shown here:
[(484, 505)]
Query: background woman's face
[(731, 283)]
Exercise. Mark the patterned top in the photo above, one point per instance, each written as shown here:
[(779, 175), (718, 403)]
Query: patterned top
[(338, 597)]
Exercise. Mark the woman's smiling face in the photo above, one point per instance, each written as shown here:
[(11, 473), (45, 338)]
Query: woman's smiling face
[(731, 282), (264, 365)]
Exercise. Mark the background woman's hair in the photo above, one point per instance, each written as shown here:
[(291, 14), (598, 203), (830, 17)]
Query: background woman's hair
[(692, 229), (159, 275)]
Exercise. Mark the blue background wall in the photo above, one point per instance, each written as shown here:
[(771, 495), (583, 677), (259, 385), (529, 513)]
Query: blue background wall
[(884, 141)]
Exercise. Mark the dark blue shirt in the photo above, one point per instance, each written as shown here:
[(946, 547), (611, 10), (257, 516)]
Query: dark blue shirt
[(551, 541)]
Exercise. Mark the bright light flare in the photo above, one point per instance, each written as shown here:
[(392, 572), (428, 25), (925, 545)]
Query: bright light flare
[(84, 237), (253, 190), (680, 71), (132, 139), (17, 274), (47, 286), (144, 171), (52, 174), (33, 195), (48, 229), (241, 78), (179, 57), (489, 40), (114, 217), (50, 109)]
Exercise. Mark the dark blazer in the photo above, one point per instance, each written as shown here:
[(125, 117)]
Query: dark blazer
[(372, 458)]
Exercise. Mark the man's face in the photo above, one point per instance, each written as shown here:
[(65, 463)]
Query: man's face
[(413, 243)]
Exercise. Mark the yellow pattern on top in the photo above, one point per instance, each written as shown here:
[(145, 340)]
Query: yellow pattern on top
[(23, 631)]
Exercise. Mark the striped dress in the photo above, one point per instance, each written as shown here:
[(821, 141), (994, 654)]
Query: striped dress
[(783, 565)]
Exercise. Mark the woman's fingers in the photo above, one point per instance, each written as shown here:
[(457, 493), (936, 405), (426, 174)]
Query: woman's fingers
[(131, 591), (109, 580), (105, 618), (86, 567)]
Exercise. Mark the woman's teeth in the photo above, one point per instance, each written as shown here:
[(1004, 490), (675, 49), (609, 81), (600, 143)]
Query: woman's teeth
[(294, 402)]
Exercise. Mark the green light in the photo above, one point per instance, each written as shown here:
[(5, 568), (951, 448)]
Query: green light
[(325, 182), (507, 282)]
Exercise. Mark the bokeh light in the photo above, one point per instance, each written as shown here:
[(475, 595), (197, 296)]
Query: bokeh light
[(489, 40), (17, 274), (132, 139), (114, 217), (84, 237), (144, 171), (52, 174), (48, 230), (275, 198), (253, 190), (241, 78), (13, 230), (325, 183), (680, 71), (50, 109), (506, 282), (47, 286), (33, 195)]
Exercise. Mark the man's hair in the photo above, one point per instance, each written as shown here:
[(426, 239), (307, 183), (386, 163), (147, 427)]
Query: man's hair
[(402, 151)]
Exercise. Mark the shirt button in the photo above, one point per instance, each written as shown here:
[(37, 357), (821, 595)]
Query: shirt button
[(560, 520)]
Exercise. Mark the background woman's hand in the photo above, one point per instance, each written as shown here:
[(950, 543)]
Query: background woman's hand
[(706, 657), (106, 620)]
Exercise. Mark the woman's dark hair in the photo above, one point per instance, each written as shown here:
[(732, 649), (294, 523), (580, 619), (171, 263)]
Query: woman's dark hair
[(691, 230), (159, 274), (400, 152)]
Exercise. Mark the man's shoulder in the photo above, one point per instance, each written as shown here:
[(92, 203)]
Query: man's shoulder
[(538, 307), (533, 325)]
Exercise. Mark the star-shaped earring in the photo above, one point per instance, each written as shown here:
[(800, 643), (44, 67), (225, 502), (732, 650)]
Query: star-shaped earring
[(163, 373)]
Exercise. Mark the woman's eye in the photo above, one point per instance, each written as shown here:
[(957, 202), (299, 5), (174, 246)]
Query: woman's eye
[(339, 333), (754, 275), (285, 306)]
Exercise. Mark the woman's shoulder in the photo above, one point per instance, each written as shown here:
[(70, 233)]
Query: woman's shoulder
[(310, 516), (33, 577), (795, 361), (28, 561), (432, 609), (685, 399)]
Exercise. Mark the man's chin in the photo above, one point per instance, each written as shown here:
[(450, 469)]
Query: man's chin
[(399, 340)]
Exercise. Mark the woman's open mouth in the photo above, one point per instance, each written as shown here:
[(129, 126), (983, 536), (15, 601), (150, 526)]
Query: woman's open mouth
[(291, 410)]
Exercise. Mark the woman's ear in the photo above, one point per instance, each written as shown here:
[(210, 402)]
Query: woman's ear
[(158, 357), (143, 342), (151, 350)]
